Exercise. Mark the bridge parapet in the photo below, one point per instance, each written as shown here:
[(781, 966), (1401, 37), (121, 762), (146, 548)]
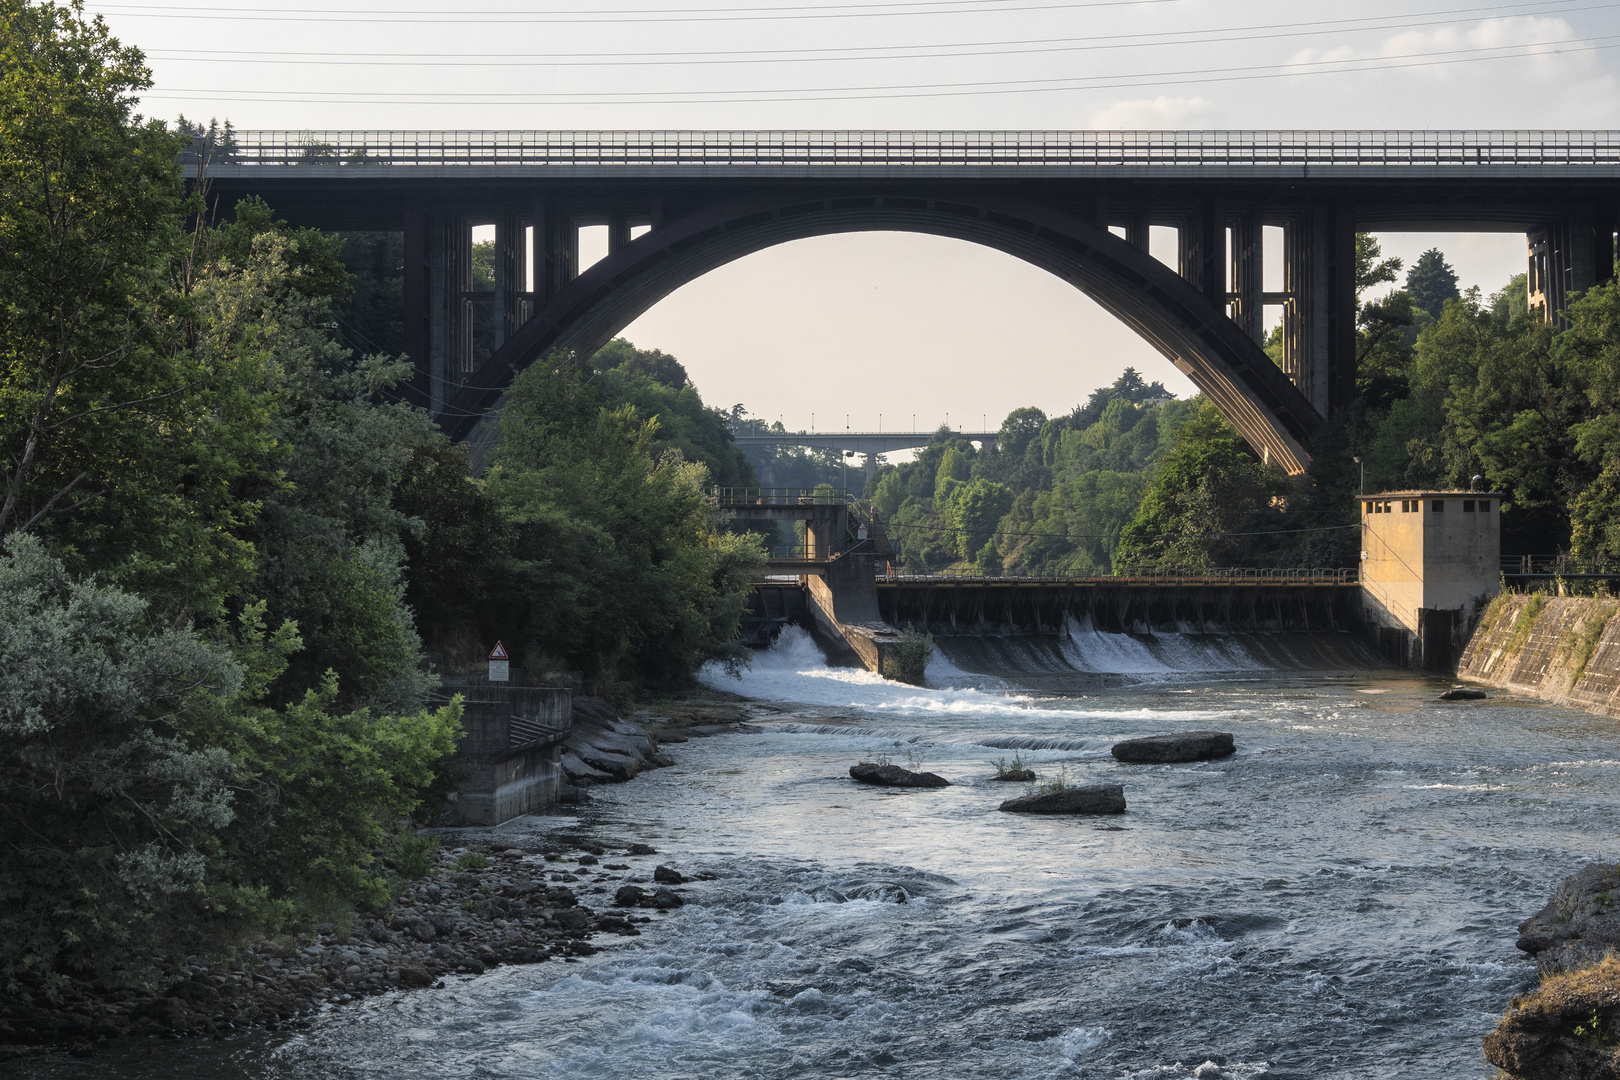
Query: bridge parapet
[(1386, 150)]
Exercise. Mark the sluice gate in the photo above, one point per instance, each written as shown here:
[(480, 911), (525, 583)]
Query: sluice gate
[(1323, 603)]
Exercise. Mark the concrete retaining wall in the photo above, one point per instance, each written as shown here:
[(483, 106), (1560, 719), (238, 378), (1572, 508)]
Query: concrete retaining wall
[(510, 761), (1562, 649)]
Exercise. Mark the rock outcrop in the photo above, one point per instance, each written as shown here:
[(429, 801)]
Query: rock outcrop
[(1567, 1029), (1163, 749), (1017, 776), (1463, 693), (1084, 799), (604, 749), (894, 776), (1580, 924)]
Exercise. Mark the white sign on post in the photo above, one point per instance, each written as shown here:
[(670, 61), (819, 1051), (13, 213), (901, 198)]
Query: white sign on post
[(499, 666)]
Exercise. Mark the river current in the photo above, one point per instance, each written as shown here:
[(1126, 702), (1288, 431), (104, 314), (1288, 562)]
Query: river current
[(1338, 900)]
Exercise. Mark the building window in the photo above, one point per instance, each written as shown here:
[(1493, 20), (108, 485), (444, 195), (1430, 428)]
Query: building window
[(1389, 506), (1484, 506), (1468, 506), (1369, 508), (1439, 505)]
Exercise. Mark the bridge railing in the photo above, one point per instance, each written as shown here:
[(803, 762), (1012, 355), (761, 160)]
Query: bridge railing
[(729, 497), (942, 148), (1224, 575)]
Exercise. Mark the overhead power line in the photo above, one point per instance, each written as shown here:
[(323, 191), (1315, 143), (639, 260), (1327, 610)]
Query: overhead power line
[(620, 16), (1245, 73), (937, 50)]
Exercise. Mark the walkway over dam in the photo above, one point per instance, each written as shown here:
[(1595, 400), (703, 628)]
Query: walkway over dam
[(1079, 204), (1287, 601)]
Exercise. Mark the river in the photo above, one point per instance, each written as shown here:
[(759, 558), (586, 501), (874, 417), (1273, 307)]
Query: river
[(1338, 900)]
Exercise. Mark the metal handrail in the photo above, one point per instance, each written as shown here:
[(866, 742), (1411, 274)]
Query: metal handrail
[(1304, 575), (764, 496), (1372, 147)]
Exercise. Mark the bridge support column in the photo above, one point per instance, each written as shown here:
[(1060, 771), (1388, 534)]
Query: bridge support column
[(1339, 363), (1569, 256), (1248, 278), (414, 302), (1137, 231), (508, 275), (618, 231)]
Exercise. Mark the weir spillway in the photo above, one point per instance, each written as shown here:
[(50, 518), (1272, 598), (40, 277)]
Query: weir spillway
[(1294, 602)]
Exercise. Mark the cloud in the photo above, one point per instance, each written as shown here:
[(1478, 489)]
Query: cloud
[(1152, 113)]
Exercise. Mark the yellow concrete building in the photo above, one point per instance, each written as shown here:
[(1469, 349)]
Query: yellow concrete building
[(1429, 561)]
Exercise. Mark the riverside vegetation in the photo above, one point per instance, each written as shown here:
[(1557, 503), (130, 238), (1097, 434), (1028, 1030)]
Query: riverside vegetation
[(229, 549)]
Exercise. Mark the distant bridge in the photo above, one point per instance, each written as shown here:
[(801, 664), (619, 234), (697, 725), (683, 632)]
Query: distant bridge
[(869, 444), (1078, 204)]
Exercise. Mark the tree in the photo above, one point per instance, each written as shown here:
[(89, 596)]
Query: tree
[(1208, 488), (110, 435), (618, 570), (1371, 269), (1432, 282)]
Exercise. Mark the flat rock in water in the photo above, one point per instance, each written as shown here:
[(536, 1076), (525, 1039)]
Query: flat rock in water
[(1085, 799), (1463, 693), (1021, 776), (894, 776), (1161, 749)]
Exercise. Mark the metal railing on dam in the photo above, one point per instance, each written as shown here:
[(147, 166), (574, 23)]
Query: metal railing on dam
[(816, 148), (1235, 575)]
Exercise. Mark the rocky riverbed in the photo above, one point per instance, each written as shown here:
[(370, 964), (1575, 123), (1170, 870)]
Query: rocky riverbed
[(480, 906), (475, 910)]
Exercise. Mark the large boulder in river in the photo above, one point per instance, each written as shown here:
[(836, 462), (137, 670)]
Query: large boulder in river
[(1562, 1030), (894, 776), (1580, 924), (1162, 749), (1084, 799)]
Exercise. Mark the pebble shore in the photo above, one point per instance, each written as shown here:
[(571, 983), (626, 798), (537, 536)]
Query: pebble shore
[(521, 907)]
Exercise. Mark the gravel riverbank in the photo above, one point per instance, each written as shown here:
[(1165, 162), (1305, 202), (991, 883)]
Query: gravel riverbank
[(518, 907)]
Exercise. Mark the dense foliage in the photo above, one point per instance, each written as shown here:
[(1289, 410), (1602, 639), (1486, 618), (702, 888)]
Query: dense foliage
[(223, 538)]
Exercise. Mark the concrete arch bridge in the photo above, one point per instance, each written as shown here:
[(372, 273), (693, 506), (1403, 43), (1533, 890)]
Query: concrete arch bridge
[(1080, 205)]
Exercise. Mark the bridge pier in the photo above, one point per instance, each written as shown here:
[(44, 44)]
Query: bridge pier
[(1569, 255)]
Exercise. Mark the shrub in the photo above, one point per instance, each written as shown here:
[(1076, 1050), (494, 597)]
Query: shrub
[(907, 662)]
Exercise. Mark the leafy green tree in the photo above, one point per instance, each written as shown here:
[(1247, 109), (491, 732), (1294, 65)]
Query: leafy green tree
[(972, 511), (1431, 282), (619, 570), (1209, 487), (115, 443), (655, 383)]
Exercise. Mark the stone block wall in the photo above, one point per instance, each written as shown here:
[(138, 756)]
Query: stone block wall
[(1563, 649)]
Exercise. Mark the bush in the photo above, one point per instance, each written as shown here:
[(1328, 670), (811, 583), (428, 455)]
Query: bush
[(907, 662)]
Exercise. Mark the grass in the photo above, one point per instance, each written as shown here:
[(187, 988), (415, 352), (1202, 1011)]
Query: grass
[(1003, 767), (907, 662), (1580, 642), (1057, 783), (1525, 622), (472, 860)]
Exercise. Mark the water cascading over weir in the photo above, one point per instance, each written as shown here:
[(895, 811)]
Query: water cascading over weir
[(839, 584)]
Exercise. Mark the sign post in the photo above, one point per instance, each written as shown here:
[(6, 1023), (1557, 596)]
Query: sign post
[(499, 666)]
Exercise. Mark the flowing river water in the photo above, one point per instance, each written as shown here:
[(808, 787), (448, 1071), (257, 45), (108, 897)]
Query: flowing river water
[(1338, 900)]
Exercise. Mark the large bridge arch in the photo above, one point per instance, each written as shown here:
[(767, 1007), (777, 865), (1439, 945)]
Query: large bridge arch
[(1149, 297)]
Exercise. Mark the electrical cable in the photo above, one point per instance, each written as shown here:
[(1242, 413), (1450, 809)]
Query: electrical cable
[(1244, 73), (1015, 47)]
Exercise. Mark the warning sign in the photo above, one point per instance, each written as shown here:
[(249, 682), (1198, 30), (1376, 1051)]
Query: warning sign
[(500, 669), (498, 652)]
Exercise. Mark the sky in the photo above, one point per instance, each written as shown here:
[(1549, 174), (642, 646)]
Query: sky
[(885, 325)]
